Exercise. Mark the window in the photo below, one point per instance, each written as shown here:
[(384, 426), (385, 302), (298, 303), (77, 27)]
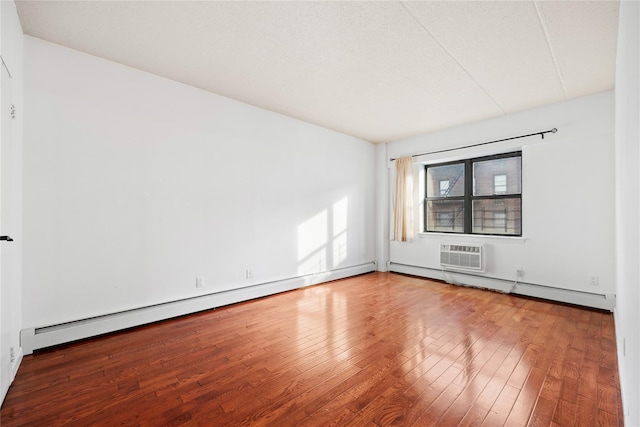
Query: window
[(444, 187), (499, 184), (445, 219), (500, 219), (475, 196)]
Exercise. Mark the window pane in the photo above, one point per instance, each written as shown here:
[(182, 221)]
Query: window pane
[(445, 215), (497, 216), (444, 187), (445, 181), (499, 184), (499, 176)]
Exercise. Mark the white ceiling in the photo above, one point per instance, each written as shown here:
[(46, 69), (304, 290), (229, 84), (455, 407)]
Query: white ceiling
[(378, 70)]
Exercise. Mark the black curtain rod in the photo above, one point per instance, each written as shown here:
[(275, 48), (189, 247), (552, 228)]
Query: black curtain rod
[(554, 130)]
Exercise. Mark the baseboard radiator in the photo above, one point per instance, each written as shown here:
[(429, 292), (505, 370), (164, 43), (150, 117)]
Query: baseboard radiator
[(599, 301), (37, 338)]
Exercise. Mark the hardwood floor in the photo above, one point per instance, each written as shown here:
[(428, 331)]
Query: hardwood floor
[(378, 349)]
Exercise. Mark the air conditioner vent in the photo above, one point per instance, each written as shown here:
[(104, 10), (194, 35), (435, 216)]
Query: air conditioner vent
[(462, 256)]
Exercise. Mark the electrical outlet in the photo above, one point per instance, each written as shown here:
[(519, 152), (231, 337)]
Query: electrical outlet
[(249, 273), (199, 282), (594, 281)]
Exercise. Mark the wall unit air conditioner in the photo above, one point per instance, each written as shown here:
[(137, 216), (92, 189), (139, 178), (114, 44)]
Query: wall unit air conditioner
[(462, 256)]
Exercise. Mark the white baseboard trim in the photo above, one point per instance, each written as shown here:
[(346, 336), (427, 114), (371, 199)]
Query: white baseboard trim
[(16, 364), (599, 301), (13, 370), (36, 338)]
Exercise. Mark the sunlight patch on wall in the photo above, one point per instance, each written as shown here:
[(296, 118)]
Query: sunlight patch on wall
[(323, 239), (340, 220), (312, 244)]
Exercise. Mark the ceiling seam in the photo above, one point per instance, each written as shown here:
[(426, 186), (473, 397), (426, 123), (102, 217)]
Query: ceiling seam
[(452, 57), (543, 24)]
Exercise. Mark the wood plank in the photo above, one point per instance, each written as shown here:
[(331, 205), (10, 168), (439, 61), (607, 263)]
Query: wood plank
[(502, 406), (586, 411), (377, 349)]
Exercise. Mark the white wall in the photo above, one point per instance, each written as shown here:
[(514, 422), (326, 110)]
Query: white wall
[(568, 195), (628, 209), (382, 207), (11, 189), (134, 185)]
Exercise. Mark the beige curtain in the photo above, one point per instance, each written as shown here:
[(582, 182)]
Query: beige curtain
[(403, 206)]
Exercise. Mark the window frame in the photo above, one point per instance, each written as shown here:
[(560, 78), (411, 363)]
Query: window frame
[(468, 198)]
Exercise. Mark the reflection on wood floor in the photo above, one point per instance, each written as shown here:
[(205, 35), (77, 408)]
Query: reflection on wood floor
[(378, 349)]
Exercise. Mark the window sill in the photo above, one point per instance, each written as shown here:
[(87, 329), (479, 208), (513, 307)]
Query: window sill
[(473, 237)]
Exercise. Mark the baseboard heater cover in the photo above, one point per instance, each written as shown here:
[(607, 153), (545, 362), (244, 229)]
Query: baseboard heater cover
[(37, 338), (599, 301)]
